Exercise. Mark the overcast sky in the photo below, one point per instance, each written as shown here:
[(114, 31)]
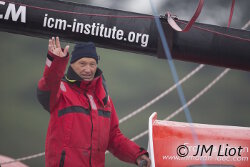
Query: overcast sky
[(214, 11)]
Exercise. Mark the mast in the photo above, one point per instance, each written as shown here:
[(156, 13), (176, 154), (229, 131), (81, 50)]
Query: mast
[(125, 31)]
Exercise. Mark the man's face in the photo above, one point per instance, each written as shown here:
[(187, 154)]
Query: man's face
[(85, 68)]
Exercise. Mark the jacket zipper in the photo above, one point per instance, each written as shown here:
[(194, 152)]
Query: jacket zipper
[(62, 159), (91, 141), (91, 129)]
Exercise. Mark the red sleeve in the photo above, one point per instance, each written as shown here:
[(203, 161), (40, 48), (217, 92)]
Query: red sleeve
[(123, 148), (49, 84)]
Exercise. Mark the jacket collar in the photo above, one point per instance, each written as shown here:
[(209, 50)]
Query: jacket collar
[(96, 86), (72, 77)]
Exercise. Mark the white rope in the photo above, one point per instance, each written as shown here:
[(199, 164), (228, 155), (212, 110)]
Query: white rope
[(202, 92), (23, 159), (166, 92), (246, 25), (198, 95), (152, 102)]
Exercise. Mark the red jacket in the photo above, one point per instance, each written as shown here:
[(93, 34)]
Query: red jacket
[(83, 121)]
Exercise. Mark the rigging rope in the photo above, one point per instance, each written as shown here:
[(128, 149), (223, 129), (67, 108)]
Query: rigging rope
[(163, 94), (216, 32), (23, 159), (196, 97), (246, 25)]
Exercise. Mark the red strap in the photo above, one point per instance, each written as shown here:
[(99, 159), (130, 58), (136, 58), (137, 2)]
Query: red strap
[(231, 14), (173, 24)]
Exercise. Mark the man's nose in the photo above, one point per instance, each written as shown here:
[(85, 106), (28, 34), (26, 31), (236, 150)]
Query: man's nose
[(87, 69)]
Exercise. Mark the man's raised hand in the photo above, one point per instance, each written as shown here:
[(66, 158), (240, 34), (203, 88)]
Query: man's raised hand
[(55, 47)]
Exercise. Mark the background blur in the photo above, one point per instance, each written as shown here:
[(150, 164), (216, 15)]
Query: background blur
[(132, 81)]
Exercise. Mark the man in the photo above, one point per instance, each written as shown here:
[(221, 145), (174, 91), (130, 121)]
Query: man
[(83, 121)]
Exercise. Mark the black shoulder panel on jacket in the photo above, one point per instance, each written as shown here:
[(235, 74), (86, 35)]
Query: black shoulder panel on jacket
[(43, 98), (105, 99)]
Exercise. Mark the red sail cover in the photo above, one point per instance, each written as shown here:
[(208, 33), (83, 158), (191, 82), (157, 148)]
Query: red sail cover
[(175, 145)]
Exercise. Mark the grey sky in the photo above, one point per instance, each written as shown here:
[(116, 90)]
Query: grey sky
[(214, 11)]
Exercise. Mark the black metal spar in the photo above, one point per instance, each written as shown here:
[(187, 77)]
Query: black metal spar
[(125, 31)]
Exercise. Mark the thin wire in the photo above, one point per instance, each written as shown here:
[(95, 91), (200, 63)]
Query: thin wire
[(199, 94), (160, 96), (246, 25), (196, 97), (173, 71), (171, 64), (216, 32), (23, 159)]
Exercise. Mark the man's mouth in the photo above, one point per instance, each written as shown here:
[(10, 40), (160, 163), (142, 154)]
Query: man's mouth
[(86, 76)]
